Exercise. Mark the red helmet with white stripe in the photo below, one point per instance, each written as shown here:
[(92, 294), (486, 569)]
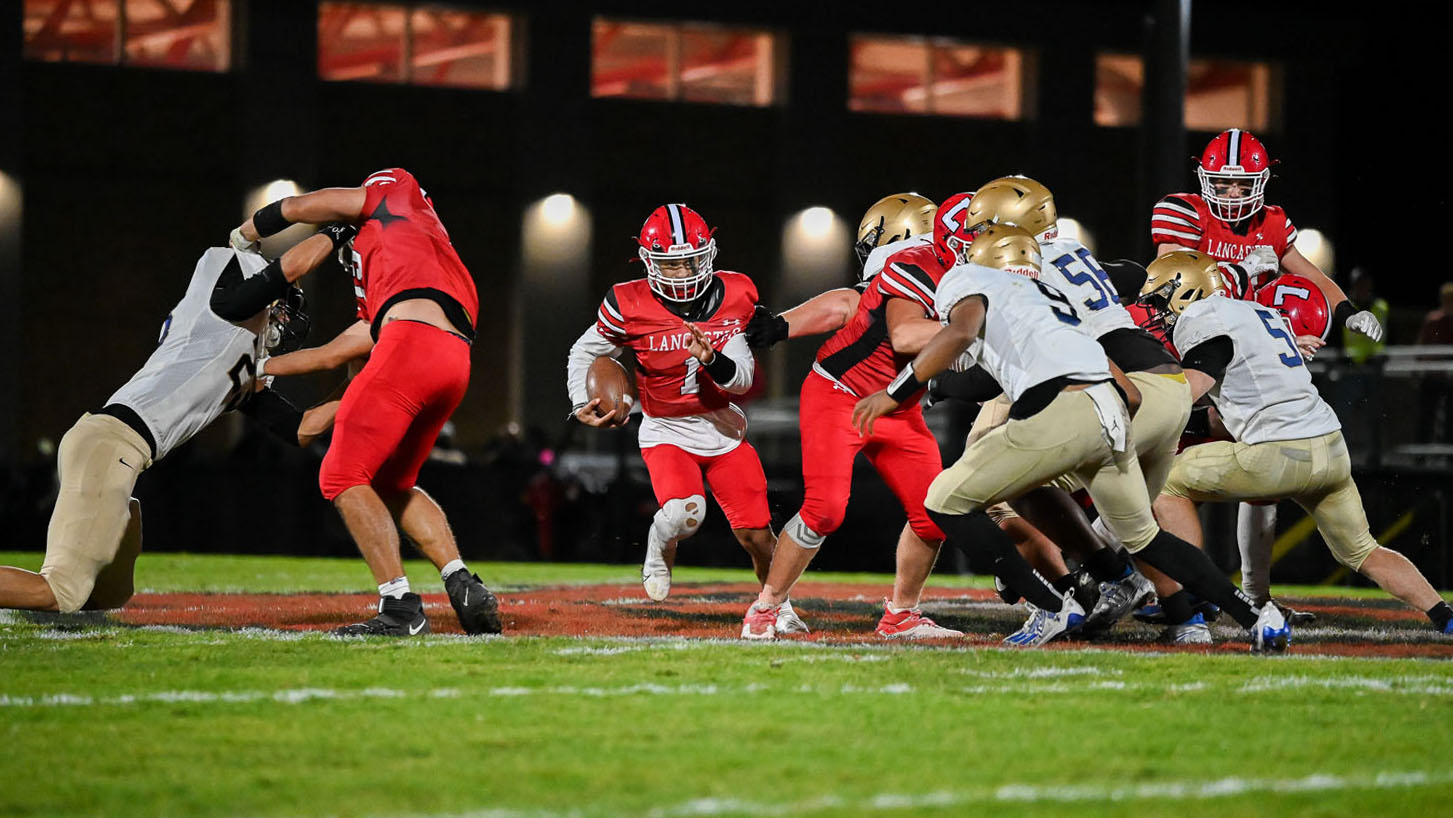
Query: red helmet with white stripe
[(1301, 301), (1233, 172), (951, 233), (678, 250)]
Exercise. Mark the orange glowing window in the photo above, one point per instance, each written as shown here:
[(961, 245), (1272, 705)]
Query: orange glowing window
[(1219, 93), (420, 45), (683, 61), (920, 75), (182, 34)]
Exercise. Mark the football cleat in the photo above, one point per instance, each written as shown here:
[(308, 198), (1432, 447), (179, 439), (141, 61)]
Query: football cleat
[(1117, 599), (788, 621), (656, 571), (1294, 616), (912, 624), (1044, 625), (1193, 631), (760, 623), (1448, 628), (1271, 633), (1153, 615), (403, 616), (476, 607)]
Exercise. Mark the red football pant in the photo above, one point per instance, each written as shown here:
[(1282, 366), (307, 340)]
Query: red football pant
[(736, 479), (392, 412), (901, 448)]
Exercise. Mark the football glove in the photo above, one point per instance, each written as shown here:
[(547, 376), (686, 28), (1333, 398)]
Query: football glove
[(1365, 323), (240, 243), (765, 329), (1261, 261)]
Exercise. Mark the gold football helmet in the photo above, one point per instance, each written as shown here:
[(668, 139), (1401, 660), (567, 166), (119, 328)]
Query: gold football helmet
[(1177, 280), (1017, 200), (1006, 247), (893, 218)]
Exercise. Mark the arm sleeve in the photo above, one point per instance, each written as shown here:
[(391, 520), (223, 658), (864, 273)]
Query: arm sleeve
[(235, 298), (1211, 357), (589, 346), (275, 413), (739, 355)]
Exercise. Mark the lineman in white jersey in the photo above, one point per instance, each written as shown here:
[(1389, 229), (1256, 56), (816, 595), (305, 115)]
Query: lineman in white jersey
[(1287, 440), (1066, 417), (203, 366), (1069, 267), (895, 222)]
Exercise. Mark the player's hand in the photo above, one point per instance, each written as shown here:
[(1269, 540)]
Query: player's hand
[(241, 242), (340, 233), (586, 414), (1309, 344), (765, 329), (871, 408), (1365, 323), (1260, 261), (700, 346)]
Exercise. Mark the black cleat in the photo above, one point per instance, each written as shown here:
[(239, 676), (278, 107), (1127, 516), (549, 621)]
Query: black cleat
[(396, 617), (1296, 617), (477, 608)]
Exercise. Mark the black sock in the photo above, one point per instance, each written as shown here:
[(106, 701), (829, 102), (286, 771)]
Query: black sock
[(1108, 565), (1190, 566), (985, 544), (1064, 584), (1441, 615), (1177, 607)]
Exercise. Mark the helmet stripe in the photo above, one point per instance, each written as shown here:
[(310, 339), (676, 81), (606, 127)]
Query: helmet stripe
[(1233, 154), (678, 228)]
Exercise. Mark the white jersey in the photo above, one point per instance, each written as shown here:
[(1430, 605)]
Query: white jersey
[(879, 256), (1031, 332), (202, 366), (1266, 393), (1070, 268)]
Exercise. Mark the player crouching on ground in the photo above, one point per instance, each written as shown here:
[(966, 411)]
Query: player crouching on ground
[(1288, 441), (684, 323), (202, 367), (418, 302), (1066, 416)]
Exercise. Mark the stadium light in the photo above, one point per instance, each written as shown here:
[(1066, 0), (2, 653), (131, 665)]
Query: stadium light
[(1072, 229), (1317, 248), (269, 193), (815, 249), (9, 199), (558, 209), (816, 222)]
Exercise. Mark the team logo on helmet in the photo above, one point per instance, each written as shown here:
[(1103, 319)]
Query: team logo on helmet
[(952, 234)]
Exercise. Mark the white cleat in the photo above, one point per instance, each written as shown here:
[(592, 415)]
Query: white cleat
[(1043, 625), (656, 571), (1193, 631), (788, 621), (1271, 633)]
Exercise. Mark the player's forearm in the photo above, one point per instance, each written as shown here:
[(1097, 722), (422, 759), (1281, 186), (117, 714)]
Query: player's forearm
[(327, 205), (350, 344), (733, 367), (317, 421), (910, 336), (305, 256), (823, 313)]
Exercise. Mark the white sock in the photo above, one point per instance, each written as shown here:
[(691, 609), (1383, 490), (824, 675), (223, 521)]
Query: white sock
[(895, 610), (450, 567), (395, 588), (1255, 536)]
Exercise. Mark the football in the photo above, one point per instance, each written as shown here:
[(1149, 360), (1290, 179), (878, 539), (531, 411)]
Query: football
[(608, 380)]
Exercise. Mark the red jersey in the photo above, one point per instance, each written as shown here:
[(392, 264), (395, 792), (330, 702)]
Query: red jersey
[(859, 356), (1184, 219), (667, 375), (402, 251)]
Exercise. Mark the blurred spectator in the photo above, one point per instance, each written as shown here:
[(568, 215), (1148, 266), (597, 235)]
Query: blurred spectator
[(446, 450), (1433, 410), (1358, 346)]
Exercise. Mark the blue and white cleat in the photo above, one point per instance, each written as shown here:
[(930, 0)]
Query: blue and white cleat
[(1193, 631), (1117, 599), (1042, 625), (1271, 633)]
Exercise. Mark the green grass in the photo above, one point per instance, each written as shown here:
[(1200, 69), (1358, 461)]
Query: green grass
[(216, 723)]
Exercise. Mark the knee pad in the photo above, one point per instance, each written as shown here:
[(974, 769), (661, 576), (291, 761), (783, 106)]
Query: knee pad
[(801, 534), (680, 517)]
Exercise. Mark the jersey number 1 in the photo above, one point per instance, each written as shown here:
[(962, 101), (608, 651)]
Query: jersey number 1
[(691, 386)]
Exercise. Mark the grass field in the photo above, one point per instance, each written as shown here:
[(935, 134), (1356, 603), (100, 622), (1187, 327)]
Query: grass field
[(110, 715)]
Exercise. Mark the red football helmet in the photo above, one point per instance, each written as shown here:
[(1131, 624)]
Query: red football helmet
[(951, 233), (1233, 173), (677, 236), (1301, 301)]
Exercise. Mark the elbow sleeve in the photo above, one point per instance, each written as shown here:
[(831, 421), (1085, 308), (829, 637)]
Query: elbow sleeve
[(237, 298)]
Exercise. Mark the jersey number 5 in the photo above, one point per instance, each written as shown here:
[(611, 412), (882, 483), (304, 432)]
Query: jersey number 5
[(240, 384), (1276, 326)]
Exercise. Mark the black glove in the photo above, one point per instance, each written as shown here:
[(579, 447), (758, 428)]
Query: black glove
[(339, 232), (765, 329)]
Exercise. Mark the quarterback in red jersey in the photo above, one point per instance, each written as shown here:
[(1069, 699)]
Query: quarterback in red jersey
[(894, 318), (418, 304), (684, 323)]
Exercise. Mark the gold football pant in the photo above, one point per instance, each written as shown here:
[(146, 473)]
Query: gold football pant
[(1165, 406), (1064, 437), (1316, 472), (99, 461), (992, 415)]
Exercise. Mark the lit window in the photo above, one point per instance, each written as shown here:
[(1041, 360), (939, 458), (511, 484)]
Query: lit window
[(183, 34), (1220, 94), (683, 61), (918, 75), (420, 45)]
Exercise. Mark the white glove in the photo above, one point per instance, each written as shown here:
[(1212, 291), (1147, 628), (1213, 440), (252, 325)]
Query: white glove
[(240, 243), (1261, 261), (1365, 323)]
